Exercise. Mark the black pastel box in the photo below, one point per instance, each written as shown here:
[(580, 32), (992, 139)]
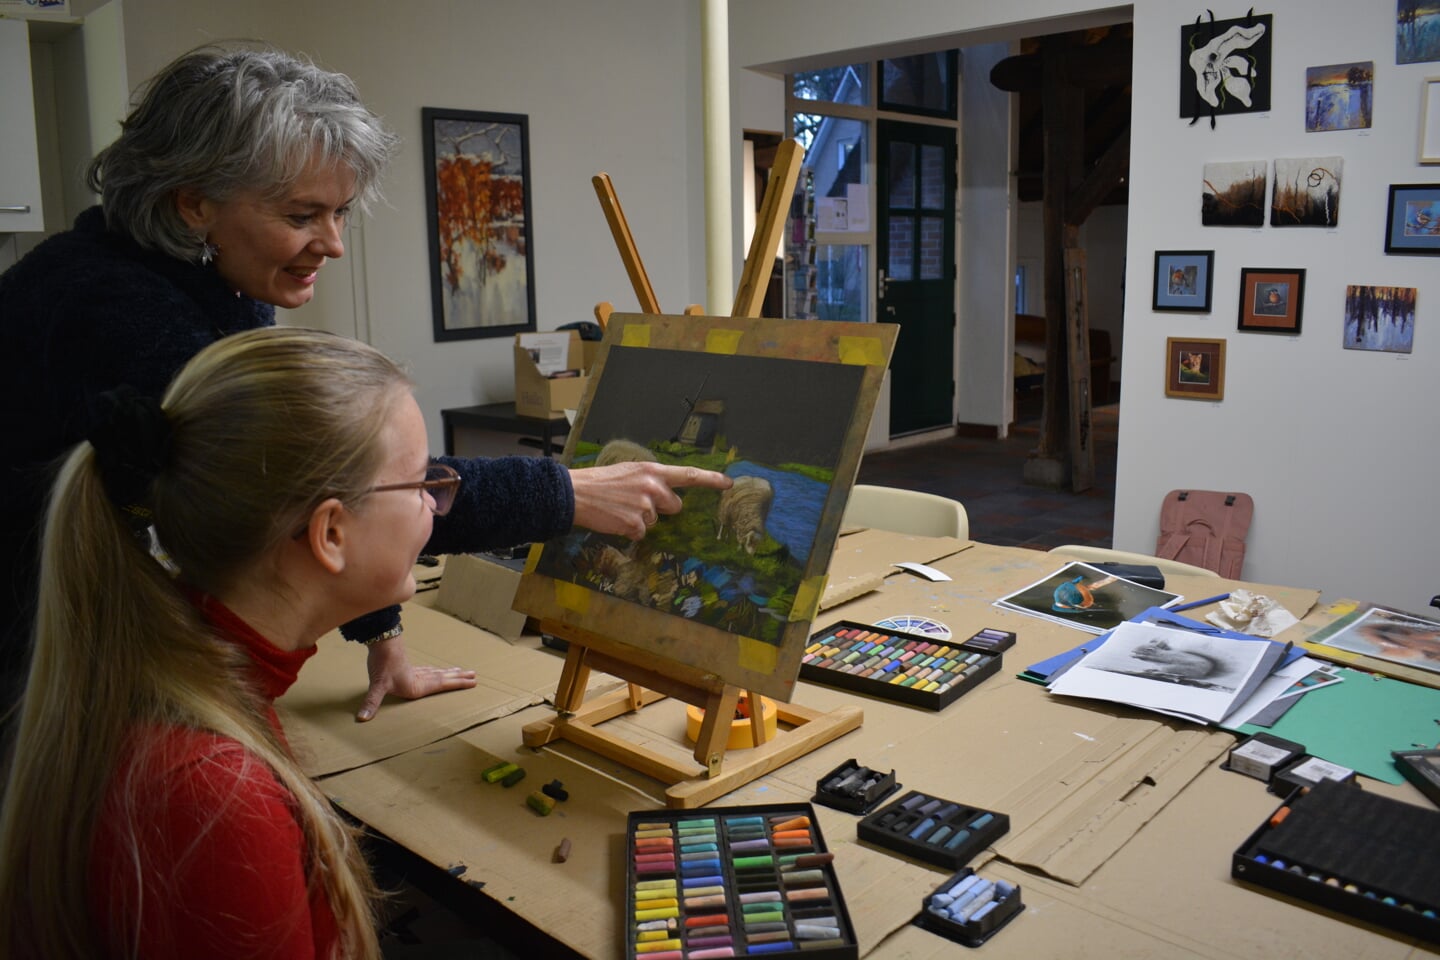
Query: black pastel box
[(733, 881), (970, 909), (1354, 852), (1422, 768), (904, 667), (937, 831), (853, 788)]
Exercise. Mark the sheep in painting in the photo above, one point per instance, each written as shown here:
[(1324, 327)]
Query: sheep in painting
[(622, 451), (742, 512)]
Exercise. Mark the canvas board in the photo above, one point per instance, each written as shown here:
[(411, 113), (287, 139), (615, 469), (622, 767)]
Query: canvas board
[(723, 592)]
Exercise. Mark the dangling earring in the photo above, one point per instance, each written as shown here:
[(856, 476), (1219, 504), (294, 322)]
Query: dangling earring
[(208, 251)]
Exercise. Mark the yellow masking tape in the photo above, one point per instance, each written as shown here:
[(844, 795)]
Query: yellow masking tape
[(862, 351), (807, 599), (757, 655), (722, 341), (572, 596), (635, 335), (532, 559)]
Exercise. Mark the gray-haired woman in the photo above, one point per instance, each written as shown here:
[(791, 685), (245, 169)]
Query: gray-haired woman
[(226, 192)]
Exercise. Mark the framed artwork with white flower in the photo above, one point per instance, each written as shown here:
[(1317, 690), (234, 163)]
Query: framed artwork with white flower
[(1225, 66)]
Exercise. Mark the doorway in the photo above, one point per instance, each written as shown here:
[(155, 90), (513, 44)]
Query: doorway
[(915, 281)]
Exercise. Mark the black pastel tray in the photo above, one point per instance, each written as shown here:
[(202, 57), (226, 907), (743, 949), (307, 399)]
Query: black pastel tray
[(1353, 852), (756, 879), (893, 665), (984, 923), (854, 788), (938, 831)]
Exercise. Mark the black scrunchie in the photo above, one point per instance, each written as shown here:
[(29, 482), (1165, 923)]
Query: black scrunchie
[(131, 437)]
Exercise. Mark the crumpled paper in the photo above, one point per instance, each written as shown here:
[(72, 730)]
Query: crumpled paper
[(1252, 613)]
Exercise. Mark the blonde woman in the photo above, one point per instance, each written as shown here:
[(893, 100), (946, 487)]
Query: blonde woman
[(193, 554)]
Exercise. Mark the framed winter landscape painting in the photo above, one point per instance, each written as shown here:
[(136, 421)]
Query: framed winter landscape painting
[(1379, 318), (477, 204), (1339, 96)]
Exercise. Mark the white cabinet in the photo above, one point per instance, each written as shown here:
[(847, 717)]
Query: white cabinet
[(20, 208)]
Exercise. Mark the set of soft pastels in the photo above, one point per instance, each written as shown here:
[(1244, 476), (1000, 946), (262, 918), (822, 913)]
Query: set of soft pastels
[(733, 882), (897, 666)]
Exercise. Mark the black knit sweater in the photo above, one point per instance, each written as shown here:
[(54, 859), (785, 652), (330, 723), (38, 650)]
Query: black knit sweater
[(89, 309)]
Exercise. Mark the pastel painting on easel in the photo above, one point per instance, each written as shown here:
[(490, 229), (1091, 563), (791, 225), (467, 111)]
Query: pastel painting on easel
[(782, 407)]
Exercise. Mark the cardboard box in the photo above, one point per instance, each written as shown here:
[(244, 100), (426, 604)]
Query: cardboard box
[(479, 590), (537, 395)]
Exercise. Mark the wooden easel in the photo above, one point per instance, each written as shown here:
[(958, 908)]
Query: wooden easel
[(578, 721)]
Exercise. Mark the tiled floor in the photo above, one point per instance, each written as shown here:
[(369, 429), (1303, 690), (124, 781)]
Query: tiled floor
[(987, 477)]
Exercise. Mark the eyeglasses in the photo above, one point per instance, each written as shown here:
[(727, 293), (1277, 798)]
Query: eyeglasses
[(441, 482)]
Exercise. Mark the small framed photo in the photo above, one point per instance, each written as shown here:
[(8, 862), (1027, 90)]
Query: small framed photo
[(1194, 369), (1183, 280), (1271, 299), (1412, 224)]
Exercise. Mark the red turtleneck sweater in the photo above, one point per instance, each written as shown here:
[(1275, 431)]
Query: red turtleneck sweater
[(222, 868)]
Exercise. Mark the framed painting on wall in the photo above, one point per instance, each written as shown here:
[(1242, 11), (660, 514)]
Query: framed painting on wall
[(1225, 66), (1194, 369), (1271, 300), (477, 203), (1307, 192), (1183, 280), (1412, 222), (1379, 318), (1233, 193), (1339, 96)]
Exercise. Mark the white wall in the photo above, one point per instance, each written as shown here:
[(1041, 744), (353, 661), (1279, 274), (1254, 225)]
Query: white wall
[(1337, 447), (608, 87)]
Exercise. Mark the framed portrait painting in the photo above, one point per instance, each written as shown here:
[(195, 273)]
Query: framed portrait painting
[(1183, 280), (1194, 369), (1271, 300), (1412, 223), (477, 203)]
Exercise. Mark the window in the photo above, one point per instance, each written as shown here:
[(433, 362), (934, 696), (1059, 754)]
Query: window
[(923, 84)]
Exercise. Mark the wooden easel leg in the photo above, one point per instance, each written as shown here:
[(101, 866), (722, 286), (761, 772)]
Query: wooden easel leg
[(625, 243), (757, 718), (768, 225), (574, 677), (715, 729)]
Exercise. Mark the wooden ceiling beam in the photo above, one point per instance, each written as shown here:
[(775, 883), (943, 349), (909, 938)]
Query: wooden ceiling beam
[(1107, 174)]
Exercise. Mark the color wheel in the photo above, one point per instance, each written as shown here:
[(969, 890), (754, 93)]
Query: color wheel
[(921, 626)]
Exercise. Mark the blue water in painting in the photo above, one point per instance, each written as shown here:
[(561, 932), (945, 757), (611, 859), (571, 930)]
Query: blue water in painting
[(795, 512)]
